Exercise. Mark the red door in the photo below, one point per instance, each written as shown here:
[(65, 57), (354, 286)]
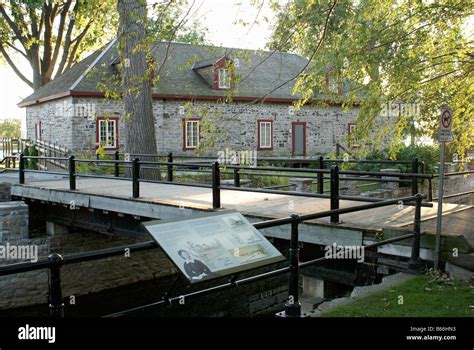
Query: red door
[(298, 138)]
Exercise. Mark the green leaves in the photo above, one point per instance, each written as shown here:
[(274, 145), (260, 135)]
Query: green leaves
[(10, 128), (386, 51), (53, 35)]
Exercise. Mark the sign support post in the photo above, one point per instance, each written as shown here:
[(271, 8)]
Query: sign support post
[(445, 135), (439, 221)]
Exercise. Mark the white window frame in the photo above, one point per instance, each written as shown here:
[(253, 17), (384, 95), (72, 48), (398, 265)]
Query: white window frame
[(38, 131), (352, 132), (106, 144), (223, 78), (190, 137), (265, 135)]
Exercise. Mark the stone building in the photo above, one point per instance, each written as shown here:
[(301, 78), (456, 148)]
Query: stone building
[(191, 95)]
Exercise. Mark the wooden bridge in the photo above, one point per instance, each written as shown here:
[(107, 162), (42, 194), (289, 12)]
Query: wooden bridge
[(391, 227), (166, 199), (169, 201)]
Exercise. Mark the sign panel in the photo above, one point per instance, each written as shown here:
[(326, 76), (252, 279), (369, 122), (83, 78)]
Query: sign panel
[(213, 245), (445, 124)]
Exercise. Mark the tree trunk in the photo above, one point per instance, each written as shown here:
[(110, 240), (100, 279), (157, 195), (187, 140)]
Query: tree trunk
[(140, 134)]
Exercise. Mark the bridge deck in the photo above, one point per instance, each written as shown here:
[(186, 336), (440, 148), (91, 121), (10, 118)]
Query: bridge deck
[(254, 204)]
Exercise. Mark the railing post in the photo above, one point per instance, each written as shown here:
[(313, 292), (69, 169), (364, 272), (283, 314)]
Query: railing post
[(320, 175), (414, 180), (430, 190), (216, 184), (72, 173), (293, 306), (135, 178), (21, 170), (116, 164), (170, 167), (236, 177), (414, 263), (56, 305), (334, 193)]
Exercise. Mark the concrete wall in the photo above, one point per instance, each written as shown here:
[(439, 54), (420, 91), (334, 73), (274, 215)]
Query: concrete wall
[(71, 122)]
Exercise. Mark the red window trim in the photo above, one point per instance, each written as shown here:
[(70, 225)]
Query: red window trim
[(258, 134), (184, 120), (356, 143), (221, 64), (97, 133), (293, 124), (339, 84)]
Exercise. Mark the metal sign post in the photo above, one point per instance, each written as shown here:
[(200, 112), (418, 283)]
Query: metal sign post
[(445, 135)]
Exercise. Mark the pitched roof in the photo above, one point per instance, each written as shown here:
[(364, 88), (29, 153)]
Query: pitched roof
[(259, 71)]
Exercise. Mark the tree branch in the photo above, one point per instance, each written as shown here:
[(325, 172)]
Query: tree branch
[(47, 41), (175, 30), (15, 69), (60, 36), (77, 41), (14, 27), (67, 42), (427, 81), (16, 49), (320, 42)]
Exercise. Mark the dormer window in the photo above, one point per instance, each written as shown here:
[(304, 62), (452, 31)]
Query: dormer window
[(224, 78), (216, 72)]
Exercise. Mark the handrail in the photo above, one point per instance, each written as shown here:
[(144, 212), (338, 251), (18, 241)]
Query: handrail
[(457, 173), (302, 159), (136, 166), (56, 261), (455, 195), (293, 308), (104, 253), (385, 173)]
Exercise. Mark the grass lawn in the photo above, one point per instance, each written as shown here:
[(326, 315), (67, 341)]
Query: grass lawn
[(420, 298)]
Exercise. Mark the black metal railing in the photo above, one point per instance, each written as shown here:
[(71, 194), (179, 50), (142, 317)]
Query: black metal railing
[(292, 308), (216, 171)]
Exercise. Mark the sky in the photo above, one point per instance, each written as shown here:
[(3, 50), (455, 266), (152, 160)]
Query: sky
[(219, 16)]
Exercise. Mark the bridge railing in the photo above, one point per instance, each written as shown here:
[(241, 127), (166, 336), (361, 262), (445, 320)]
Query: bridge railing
[(55, 261), (414, 166), (215, 170), (9, 148)]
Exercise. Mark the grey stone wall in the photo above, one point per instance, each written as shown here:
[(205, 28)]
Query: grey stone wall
[(71, 122), (56, 123), (13, 221), (5, 192), (82, 278), (237, 126)]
